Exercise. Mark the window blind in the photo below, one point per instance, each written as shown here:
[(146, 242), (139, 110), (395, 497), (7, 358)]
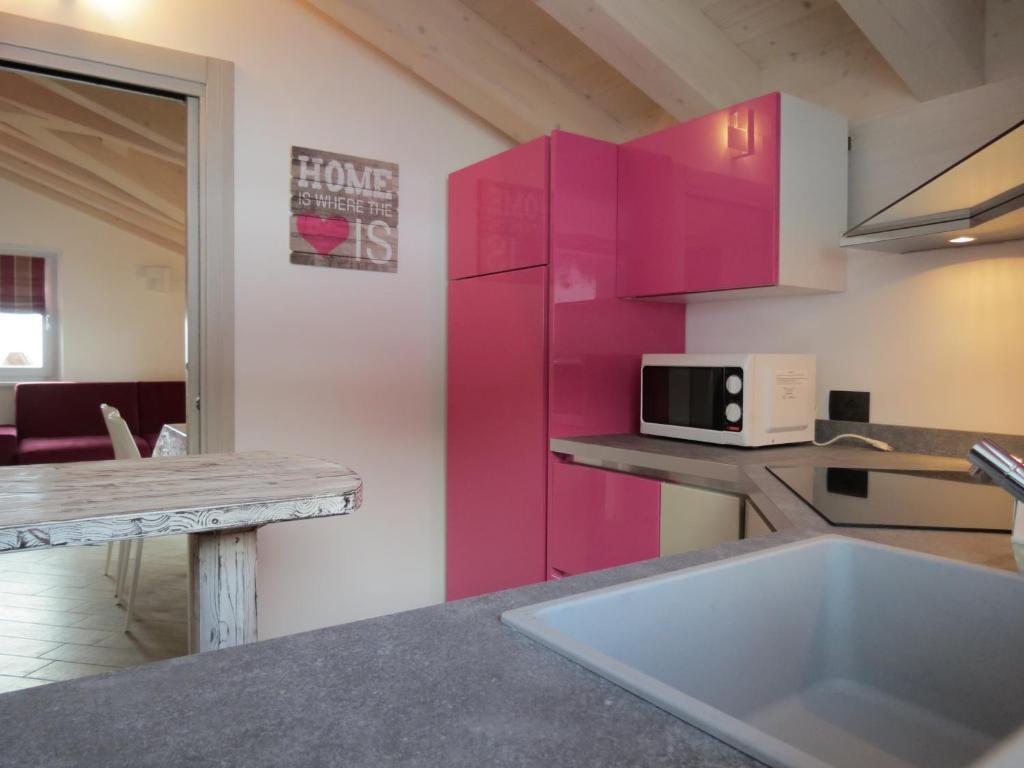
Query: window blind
[(23, 284)]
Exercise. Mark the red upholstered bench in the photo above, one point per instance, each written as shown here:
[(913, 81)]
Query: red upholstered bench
[(160, 402), (61, 421)]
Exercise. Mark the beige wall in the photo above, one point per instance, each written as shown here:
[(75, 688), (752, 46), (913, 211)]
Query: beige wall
[(112, 327), (345, 365), (935, 337)]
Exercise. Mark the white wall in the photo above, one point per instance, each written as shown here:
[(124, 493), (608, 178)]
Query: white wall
[(936, 337), (345, 365), (112, 327)]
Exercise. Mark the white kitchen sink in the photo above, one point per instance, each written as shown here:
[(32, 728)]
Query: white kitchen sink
[(824, 652)]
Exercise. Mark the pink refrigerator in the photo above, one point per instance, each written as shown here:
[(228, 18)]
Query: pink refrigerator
[(539, 346)]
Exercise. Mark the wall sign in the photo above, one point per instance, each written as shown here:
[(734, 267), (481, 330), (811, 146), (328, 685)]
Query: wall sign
[(344, 211)]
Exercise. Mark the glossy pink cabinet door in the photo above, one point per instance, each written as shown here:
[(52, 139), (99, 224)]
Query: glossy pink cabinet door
[(596, 339), (699, 204), (498, 212), (600, 519), (497, 470)]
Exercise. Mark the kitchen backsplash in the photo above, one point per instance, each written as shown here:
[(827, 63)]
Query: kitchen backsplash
[(936, 442)]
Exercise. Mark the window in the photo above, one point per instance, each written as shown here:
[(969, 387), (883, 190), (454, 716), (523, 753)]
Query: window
[(29, 346)]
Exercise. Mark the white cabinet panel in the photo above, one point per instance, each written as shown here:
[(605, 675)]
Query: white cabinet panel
[(693, 518)]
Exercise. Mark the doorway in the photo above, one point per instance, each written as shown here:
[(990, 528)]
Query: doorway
[(93, 294), (137, 141)]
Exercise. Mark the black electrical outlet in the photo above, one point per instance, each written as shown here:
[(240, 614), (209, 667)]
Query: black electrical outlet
[(849, 406)]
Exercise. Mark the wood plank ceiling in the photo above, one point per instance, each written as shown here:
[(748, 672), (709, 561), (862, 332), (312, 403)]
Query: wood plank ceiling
[(116, 155), (617, 69)]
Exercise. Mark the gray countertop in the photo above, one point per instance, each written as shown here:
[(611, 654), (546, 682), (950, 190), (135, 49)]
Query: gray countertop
[(743, 471), (447, 685), (442, 686)]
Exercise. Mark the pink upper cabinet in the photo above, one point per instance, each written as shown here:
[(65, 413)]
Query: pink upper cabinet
[(595, 338), (749, 197), (696, 214), (498, 212)]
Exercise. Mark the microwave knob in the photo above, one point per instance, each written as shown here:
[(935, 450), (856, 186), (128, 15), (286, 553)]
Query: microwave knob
[(733, 385), (733, 412)]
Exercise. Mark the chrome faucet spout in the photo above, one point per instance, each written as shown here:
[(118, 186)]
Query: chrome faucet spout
[(998, 465), (1001, 467)]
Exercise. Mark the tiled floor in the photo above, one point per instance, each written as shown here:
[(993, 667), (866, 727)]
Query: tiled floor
[(59, 619)]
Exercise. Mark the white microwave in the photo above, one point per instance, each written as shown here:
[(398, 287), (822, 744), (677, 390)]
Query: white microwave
[(742, 399)]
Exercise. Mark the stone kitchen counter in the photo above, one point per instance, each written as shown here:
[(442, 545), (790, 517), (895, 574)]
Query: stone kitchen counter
[(444, 685), (743, 471)]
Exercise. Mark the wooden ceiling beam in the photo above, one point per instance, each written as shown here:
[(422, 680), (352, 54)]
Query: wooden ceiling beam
[(129, 105), (127, 221), (159, 184), (937, 47), (458, 52), (15, 144), (31, 120), (114, 154), (668, 49), (156, 183), (62, 106)]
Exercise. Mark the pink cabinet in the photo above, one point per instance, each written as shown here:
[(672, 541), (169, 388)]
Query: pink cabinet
[(595, 338), (549, 242), (694, 214), (539, 345), (600, 519), (498, 212), (749, 197), (497, 431)]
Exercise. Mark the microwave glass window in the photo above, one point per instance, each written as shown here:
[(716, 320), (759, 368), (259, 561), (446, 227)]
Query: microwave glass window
[(683, 397)]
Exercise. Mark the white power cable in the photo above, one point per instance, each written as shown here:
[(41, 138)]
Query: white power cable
[(877, 444)]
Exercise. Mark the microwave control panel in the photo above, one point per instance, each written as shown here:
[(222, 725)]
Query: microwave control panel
[(733, 397)]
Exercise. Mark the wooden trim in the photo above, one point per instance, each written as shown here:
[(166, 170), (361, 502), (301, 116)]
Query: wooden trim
[(194, 420), (68, 49), (217, 236), (211, 81)]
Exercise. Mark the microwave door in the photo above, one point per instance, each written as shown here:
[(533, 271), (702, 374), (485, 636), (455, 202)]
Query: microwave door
[(683, 396)]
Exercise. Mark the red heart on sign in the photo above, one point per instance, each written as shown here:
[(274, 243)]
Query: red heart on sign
[(323, 234)]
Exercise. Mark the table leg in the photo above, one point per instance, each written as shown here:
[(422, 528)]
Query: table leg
[(222, 583)]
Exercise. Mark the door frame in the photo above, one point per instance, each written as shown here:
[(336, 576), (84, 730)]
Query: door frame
[(207, 84)]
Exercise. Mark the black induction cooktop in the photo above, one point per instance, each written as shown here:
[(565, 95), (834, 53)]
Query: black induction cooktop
[(918, 499)]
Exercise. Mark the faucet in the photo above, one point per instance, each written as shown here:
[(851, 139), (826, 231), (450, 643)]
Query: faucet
[(1007, 471)]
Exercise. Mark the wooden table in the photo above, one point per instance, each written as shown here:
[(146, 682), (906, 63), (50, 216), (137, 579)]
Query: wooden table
[(219, 499)]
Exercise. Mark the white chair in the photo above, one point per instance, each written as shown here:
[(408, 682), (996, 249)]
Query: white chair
[(105, 409), (124, 448)]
